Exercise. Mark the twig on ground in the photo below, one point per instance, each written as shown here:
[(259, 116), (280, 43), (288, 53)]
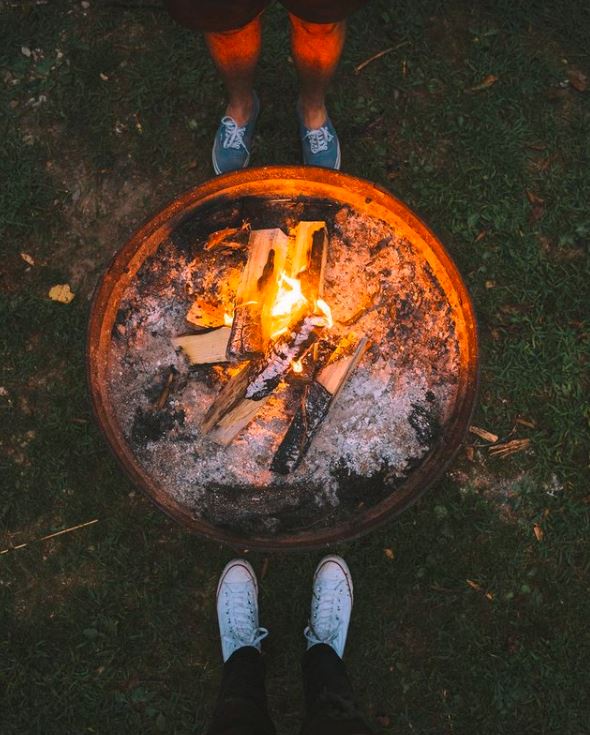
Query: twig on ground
[(49, 536), (362, 65), (484, 434), (508, 448)]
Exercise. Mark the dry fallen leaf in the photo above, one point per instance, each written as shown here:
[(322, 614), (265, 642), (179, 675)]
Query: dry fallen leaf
[(490, 284), (485, 83), (27, 258), (473, 585), (61, 292), (578, 80), (389, 553), (469, 452), (529, 423), (483, 434), (538, 531)]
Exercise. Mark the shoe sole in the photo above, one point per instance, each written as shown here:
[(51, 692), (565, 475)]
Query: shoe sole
[(235, 563), (343, 565)]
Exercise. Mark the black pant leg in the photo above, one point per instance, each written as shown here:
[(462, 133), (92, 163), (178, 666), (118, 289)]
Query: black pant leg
[(241, 706), (329, 700)]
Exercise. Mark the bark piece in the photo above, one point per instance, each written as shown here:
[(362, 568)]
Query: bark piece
[(315, 404)]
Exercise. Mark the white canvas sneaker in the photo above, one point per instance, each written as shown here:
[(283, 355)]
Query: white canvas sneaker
[(331, 604), (237, 608)]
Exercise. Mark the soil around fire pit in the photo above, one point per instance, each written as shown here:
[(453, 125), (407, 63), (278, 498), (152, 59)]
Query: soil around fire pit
[(390, 415)]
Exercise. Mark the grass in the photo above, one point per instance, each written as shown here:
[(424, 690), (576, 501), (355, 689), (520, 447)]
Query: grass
[(111, 629)]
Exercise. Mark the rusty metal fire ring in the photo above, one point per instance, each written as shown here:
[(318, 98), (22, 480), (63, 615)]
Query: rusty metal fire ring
[(299, 184)]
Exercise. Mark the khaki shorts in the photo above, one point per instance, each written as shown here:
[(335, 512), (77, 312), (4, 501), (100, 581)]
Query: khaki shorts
[(227, 15)]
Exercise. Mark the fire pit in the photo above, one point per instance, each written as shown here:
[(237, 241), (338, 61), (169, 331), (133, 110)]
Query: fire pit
[(283, 358)]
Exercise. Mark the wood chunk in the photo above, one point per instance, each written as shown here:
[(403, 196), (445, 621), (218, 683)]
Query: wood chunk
[(206, 347), (342, 364), (230, 395), (308, 257), (315, 404), (314, 407), (257, 380), (282, 353), (266, 260), (206, 314), (231, 423)]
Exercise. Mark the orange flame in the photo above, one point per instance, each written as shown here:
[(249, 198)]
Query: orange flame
[(297, 366), (289, 297), (326, 311), (288, 305), (228, 319)]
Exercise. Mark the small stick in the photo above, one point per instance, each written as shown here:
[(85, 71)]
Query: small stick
[(50, 535), (484, 434), (362, 65), (511, 447), (166, 390)]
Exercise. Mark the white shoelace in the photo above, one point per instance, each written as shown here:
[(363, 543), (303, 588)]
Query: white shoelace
[(241, 622), (319, 139), (233, 134), (324, 614)]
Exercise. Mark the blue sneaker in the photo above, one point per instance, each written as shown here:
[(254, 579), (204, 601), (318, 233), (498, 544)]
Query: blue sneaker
[(331, 604), (232, 144), (237, 608), (321, 146)]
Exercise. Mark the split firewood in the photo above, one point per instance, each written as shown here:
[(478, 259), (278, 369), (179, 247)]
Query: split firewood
[(266, 260), (316, 402), (206, 347), (309, 257), (231, 423), (258, 379)]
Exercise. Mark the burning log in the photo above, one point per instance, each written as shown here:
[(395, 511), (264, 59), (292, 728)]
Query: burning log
[(281, 284), (308, 261), (245, 393), (206, 347), (315, 404), (283, 353), (259, 283)]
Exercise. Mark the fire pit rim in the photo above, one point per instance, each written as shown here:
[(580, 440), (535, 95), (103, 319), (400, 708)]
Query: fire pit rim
[(390, 507)]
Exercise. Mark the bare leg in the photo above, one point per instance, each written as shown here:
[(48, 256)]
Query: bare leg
[(316, 48), (235, 54)]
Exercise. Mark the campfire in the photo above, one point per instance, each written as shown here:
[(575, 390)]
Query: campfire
[(283, 357), (276, 328)]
